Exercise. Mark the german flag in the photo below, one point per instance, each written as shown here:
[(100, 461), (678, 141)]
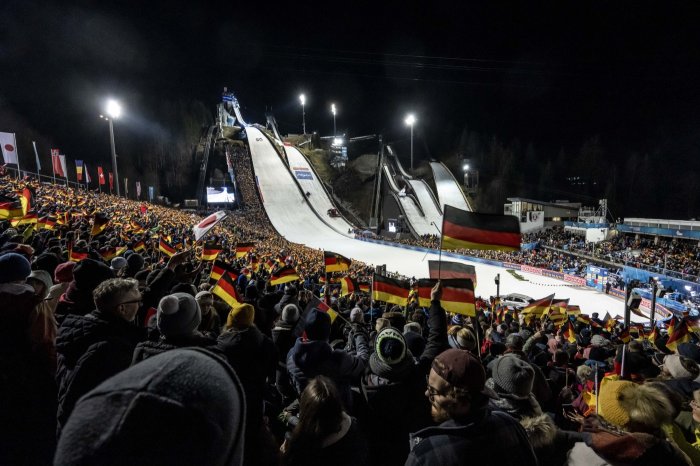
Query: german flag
[(270, 264), (10, 209), (471, 230), (678, 334), (573, 310), (210, 252), (76, 256), (140, 246), (584, 319), (46, 223), (390, 290), (225, 289), (242, 249), (539, 307), (348, 285), (121, 250), (568, 332), (108, 254), (556, 317), (26, 198), (365, 287), (335, 262), (166, 248), (284, 275), (99, 223), (217, 270), (447, 269), (559, 305), (29, 219), (457, 295), (254, 264), (653, 336)]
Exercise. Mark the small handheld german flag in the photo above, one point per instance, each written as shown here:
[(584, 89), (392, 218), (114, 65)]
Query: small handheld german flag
[(284, 275), (457, 295), (242, 249), (166, 248), (335, 262), (99, 223), (471, 230), (390, 290), (348, 285), (225, 289), (210, 251), (76, 255)]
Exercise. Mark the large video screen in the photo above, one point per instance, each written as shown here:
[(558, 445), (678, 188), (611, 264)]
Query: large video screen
[(220, 195)]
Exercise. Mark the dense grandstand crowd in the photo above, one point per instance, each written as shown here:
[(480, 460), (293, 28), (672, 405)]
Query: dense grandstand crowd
[(117, 350)]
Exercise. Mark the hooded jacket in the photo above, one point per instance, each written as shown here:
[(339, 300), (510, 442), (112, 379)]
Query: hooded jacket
[(183, 407), (90, 349)]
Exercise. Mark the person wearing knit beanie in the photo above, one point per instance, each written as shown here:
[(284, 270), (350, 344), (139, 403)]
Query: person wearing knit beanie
[(64, 272), (89, 273), (240, 317), (513, 377), (357, 316), (290, 314), (680, 367), (14, 268), (391, 359), (633, 407), (178, 314)]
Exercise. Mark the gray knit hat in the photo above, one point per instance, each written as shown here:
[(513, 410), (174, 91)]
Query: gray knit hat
[(391, 358), (178, 314), (513, 376), (290, 314)]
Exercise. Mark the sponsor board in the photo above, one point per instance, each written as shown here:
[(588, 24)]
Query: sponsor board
[(303, 175), (553, 274), (575, 280), (527, 268), (509, 265)]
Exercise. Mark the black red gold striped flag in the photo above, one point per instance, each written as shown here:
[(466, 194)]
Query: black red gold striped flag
[(365, 287), (471, 230), (447, 269), (76, 255), (26, 198), (166, 248), (217, 270), (242, 249), (568, 332), (677, 334), (99, 223), (10, 209), (140, 246), (29, 219), (348, 285), (108, 254), (335, 262), (225, 289), (210, 251), (390, 290), (46, 222), (539, 307), (457, 295), (559, 305), (284, 275), (314, 303)]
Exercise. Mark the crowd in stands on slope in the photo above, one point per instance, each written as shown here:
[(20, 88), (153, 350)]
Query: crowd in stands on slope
[(674, 257), (133, 360)]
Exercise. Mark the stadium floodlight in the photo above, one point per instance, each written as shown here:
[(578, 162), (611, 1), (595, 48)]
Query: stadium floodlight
[(302, 99), (338, 141), (334, 111), (410, 121), (114, 110), (465, 167)]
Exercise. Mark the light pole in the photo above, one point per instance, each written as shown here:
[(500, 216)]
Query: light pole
[(410, 120), (302, 99), (114, 110), (333, 111)]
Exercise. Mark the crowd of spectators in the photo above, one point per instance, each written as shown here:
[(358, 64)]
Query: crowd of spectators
[(126, 355)]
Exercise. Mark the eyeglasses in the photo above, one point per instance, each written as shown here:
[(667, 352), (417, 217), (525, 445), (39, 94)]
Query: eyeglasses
[(432, 391)]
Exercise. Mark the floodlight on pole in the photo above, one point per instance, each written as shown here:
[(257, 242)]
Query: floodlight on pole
[(302, 99), (334, 111), (410, 121), (114, 110), (465, 167)]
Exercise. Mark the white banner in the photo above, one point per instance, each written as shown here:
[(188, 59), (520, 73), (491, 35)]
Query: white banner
[(203, 227), (87, 175), (62, 158), (9, 148)]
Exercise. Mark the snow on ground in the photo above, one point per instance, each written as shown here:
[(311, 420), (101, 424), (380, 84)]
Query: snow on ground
[(296, 220)]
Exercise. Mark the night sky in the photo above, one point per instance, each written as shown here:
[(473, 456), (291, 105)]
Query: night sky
[(550, 73)]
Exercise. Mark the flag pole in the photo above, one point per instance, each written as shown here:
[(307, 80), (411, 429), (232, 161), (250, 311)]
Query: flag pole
[(14, 137), (442, 229), (622, 368)]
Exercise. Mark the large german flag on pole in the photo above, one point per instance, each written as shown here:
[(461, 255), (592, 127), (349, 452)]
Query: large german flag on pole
[(217, 270), (284, 275), (457, 295), (447, 269), (225, 289), (348, 285), (471, 230), (335, 262), (390, 290)]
